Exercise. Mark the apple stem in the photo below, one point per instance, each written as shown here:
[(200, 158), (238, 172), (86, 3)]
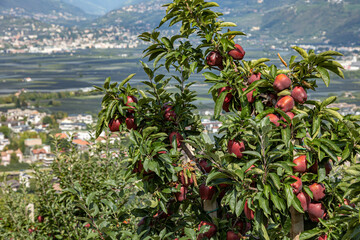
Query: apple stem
[(297, 224)]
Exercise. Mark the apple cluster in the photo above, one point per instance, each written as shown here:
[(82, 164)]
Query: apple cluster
[(115, 123), (313, 206)]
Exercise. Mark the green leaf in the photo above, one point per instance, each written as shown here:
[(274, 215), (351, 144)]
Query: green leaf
[(219, 103), (301, 51), (334, 113), (328, 101), (211, 76), (215, 175), (107, 83), (324, 75), (253, 153), (231, 33), (228, 24), (210, 4), (276, 180), (330, 53)]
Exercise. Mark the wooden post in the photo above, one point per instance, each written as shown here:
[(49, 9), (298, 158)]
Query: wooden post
[(30, 210), (210, 206), (297, 224)]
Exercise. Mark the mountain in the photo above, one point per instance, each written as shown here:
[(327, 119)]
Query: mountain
[(100, 7), (332, 21), (54, 11)]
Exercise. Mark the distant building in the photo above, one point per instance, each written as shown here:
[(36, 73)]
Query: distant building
[(32, 142), (81, 144), (43, 155), (6, 156)]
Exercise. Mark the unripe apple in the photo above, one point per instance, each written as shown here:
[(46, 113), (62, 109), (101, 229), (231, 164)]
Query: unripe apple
[(238, 53), (301, 163), (248, 212), (214, 59), (131, 99), (181, 196), (318, 190), (291, 116), (254, 77), (285, 103), (190, 180), (316, 211), (230, 235), (114, 125), (274, 119), (211, 232), (281, 82), (178, 137), (130, 123), (304, 200), (297, 186), (250, 95), (299, 94), (236, 148), (323, 237), (206, 192), (40, 219), (227, 99), (205, 166)]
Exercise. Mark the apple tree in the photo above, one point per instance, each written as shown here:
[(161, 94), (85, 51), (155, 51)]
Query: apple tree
[(268, 174)]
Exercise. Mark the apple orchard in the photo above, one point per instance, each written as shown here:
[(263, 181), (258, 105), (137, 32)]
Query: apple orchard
[(283, 166)]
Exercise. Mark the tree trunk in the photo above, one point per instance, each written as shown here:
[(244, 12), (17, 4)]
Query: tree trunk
[(297, 224)]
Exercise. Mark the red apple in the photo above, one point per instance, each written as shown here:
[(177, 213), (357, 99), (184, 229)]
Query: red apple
[(300, 164), (205, 166), (87, 225), (181, 196), (130, 123), (250, 95), (285, 103), (248, 212), (178, 137), (211, 232), (291, 116), (274, 119), (328, 167), (281, 82), (254, 77), (230, 235), (323, 237), (318, 190), (114, 125), (299, 94), (236, 148), (348, 202), (304, 200), (316, 211), (169, 115), (314, 167), (227, 99), (238, 53), (30, 230), (214, 59), (40, 219), (206, 192), (129, 100), (297, 186)]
